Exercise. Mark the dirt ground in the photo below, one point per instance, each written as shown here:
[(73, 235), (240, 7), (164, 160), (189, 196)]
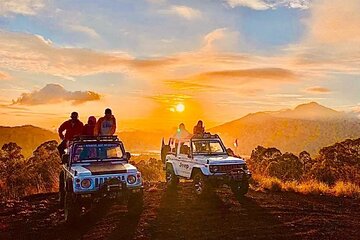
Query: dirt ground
[(181, 215)]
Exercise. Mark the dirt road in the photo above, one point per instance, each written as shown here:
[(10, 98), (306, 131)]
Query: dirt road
[(180, 215)]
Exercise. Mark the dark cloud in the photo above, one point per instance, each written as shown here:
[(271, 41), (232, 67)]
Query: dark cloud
[(55, 93)]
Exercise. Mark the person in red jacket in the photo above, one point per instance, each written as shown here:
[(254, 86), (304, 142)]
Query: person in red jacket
[(106, 125), (89, 128), (73, 127)]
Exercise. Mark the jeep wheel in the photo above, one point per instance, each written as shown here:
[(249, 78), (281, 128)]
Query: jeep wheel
[(240, 188), (135, 203), (171, 179), (61, 190), (201, 185), (72, 209)]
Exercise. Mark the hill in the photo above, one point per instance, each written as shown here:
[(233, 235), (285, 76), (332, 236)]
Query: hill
[(27, 137), (308, 127)]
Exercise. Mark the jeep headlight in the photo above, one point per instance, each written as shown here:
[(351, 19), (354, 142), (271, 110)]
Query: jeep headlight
[(131, 179), (214, 169), (86, 183)]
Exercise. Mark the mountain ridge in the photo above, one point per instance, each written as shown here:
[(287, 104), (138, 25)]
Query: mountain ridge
[(309, 127)]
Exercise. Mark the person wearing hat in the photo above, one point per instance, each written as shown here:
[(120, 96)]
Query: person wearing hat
[(73, 128), (106, 125)]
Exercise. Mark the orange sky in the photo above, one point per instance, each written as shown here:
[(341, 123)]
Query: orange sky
[(222, 60)]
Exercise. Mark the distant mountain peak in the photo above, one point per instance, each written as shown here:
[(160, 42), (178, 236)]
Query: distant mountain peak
[(310, 111), (313, 106)]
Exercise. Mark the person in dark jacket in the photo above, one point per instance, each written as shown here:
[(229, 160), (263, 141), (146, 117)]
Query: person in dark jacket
[(89, 128), (199, 128), (72, 127)]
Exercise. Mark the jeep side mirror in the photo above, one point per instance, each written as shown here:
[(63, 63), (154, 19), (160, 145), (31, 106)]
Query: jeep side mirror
[(128, 156), (65, 158)]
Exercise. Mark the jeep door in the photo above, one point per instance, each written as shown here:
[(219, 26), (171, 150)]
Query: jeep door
[(184, 163)]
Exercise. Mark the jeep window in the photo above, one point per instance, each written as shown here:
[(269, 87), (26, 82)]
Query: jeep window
[(185, 148), (96, 152), (208, 147)]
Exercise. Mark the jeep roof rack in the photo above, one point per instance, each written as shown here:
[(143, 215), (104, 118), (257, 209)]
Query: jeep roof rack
[(95, 138), (206, 135)]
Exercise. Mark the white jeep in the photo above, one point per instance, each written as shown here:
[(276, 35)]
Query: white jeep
[(94, 170), (205, 160)]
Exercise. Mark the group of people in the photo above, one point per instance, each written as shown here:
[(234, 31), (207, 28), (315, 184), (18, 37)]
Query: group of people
[(73, 127), (182, 133), (106, 125)]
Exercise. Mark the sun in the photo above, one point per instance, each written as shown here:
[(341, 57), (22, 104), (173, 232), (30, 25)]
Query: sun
[(180, 107)]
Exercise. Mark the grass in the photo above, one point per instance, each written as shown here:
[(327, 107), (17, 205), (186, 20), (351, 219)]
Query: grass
[(312, 187)]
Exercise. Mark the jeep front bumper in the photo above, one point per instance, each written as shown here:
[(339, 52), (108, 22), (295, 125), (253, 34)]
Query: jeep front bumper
[(237, 175)]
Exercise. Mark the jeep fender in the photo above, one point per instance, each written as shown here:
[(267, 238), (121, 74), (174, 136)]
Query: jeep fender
[(170, 163), (204, 170)]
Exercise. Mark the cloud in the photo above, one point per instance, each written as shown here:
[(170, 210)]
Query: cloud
[(184, 12), (318, 90), (188, 86), (269, 4), (253, 4), (247, 82), (259, 73), (83, 29), (26, 52), (23, 7), (55, 93), (245, 76), (332, 41), (4, 76), (221, 40)]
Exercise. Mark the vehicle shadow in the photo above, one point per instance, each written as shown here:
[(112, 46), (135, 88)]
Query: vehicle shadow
[(182, 215), (105, 222)]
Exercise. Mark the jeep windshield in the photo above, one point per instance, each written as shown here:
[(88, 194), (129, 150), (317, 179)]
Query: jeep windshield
[(97, 152), (208, 147)]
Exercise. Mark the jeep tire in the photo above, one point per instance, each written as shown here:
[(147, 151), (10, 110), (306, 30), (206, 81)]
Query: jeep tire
[(171, 179), (72, 209), (201, 184), (61, 189), (240, 188), (135, 203)]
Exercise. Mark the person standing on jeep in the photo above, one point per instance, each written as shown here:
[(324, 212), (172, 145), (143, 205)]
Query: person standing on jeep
[(199, 128), (182, 133), (89, 128), (106, 125), (73, 127)]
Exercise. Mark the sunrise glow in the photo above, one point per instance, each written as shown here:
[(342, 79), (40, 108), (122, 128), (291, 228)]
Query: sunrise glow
[(180, 107)]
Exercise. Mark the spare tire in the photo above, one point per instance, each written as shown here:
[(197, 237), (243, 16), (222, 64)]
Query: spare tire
[(164, 151)]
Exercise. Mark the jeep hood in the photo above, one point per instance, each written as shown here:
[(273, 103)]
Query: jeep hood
[(221, 159), (103, 169)]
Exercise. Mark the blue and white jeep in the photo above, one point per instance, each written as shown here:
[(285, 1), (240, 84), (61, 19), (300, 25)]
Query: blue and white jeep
[(95, 169), (204, 159)]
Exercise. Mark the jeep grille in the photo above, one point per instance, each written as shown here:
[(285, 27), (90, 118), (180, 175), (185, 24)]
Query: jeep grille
[(226, 168), (101, 180)]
